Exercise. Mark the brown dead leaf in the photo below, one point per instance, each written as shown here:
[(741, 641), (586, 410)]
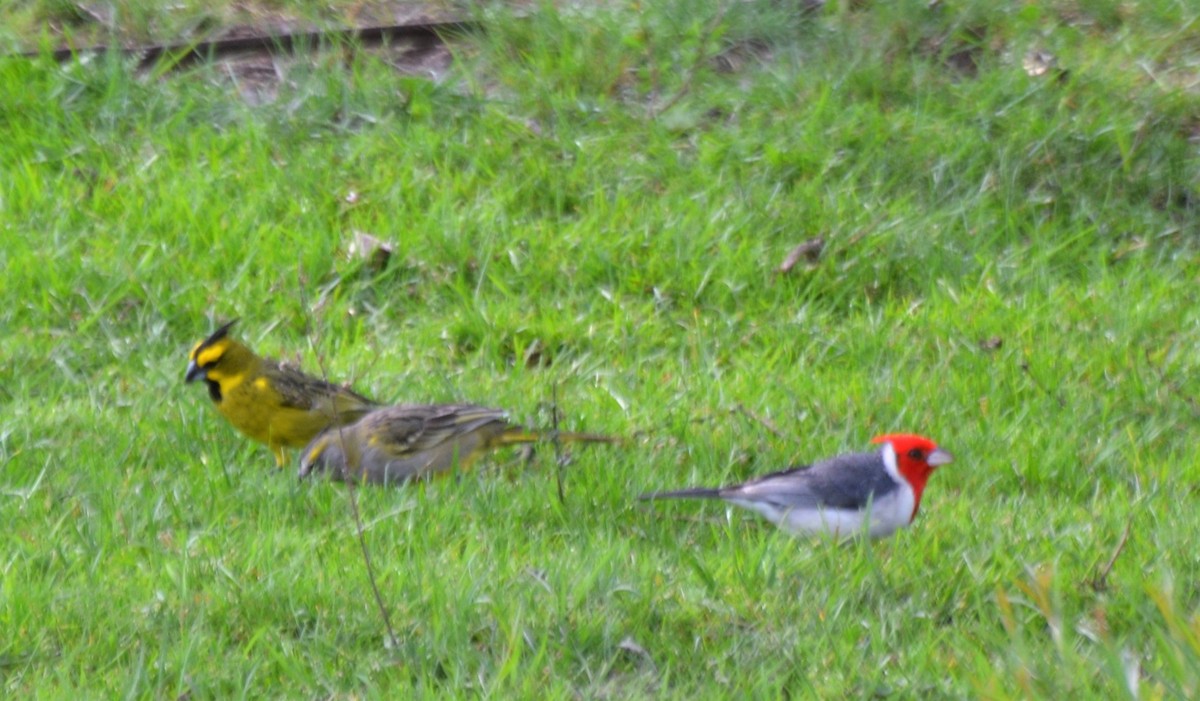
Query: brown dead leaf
[(535, 355), (1133, 245), (810, 251), (1037, 63), (373, 251), (991, 344), (100, 14), (633, 648), (965, 61)]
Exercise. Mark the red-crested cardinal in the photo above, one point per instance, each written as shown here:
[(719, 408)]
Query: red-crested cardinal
[(845, 495)]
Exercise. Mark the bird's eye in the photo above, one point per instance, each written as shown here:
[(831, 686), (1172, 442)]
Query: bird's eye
[(916, 454), (211, 364)]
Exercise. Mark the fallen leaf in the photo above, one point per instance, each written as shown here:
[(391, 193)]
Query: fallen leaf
[(534, 356), (810, 251), (374, 251), (1133, 245), (631, 646), (1037, 63)]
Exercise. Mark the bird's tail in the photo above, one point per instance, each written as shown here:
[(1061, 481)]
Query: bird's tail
[(693, 493), (515, 436)]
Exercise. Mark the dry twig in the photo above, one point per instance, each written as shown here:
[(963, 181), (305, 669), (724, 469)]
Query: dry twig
[(1100, 581), (351, 471), (701, 57)]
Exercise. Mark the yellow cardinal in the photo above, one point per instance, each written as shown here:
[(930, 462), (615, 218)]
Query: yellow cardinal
[(269, 402)]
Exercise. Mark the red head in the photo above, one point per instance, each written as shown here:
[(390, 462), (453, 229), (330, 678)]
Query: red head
[(916, 458)]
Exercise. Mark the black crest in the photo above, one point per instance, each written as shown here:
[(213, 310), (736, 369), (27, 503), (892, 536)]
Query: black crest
[(217, 335)]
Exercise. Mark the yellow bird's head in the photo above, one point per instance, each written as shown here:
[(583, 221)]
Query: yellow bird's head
[(219, 359)]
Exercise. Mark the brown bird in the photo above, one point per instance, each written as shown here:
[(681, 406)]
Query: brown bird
[(415, 441)]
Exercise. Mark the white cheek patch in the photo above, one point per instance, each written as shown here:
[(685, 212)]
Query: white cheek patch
[(889, 464)]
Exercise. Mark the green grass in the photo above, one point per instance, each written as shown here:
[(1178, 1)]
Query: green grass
[(543, 198)]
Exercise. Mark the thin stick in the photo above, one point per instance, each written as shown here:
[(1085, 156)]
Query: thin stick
[(1036, 383), (701, 57), (351, 476), (770, 425), (554, 437), (1100, 581)]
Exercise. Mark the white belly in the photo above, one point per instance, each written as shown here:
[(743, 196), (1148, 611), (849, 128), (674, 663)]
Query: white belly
[(882, 518)]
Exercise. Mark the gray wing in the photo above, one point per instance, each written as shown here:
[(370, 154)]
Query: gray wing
[(415, 428), (845, 482), (400, 443), (438, 438)]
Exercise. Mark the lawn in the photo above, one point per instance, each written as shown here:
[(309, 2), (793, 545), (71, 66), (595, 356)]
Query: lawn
[(587, 217)]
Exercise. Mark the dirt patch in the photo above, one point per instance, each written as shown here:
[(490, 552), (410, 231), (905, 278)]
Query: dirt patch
[(412, 38), (257, 75)]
